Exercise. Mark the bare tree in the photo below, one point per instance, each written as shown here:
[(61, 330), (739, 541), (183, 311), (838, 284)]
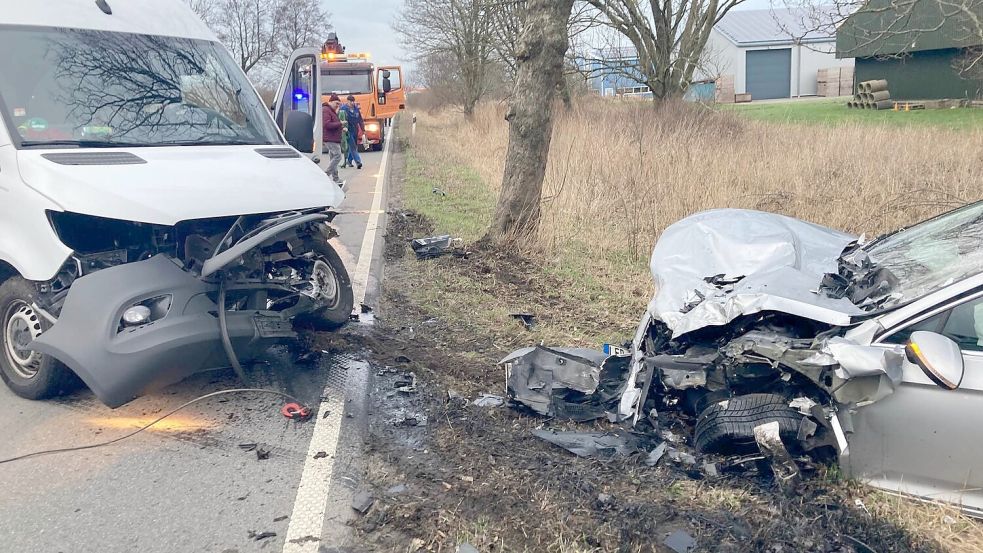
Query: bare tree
[(303, 23), (667, 37), (261, 33), (542, 45), (458, 30)]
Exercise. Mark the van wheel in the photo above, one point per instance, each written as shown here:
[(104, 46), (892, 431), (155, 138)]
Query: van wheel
[(29, 374), (332, 283), (728, 426)]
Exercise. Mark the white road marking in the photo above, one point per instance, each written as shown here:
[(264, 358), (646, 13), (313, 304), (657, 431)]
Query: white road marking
[(307, 518), (360, 279)]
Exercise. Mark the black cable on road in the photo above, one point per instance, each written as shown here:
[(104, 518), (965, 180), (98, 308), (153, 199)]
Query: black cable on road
[(145, 427)]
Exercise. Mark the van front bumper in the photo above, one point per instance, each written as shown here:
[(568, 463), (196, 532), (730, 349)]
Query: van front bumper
[(119, 364)]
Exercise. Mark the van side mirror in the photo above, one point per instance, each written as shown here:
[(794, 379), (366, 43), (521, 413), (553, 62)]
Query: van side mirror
[(299, 131), (938, 357)]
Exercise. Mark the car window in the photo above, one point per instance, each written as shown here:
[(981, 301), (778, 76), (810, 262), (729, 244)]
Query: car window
[(963, 324)]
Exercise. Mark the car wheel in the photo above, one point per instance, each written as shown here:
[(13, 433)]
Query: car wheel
[(29, 374), (728, 426), (331, 282)]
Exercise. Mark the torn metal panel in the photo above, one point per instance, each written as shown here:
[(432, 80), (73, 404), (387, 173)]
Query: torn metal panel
[(579, 384), (759, 262), (593, 444)]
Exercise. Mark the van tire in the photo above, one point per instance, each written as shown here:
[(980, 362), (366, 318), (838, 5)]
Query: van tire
[(727, 427), (30, 375), (335, 315)]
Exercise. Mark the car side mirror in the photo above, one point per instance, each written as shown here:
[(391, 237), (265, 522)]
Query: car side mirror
[(938, 357), (299, 131)]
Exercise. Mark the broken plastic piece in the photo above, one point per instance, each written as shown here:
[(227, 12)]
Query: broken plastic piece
[(362, 502), (489, 400), (656, 454), (528, 319), (434, 246), (680, 541)]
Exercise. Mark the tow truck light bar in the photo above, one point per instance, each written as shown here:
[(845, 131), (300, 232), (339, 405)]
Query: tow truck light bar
[(334, 56)]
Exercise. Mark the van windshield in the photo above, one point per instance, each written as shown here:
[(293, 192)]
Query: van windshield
[(96, 88)]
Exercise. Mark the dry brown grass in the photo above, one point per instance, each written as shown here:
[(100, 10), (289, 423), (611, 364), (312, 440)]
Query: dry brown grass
[(619, 173)]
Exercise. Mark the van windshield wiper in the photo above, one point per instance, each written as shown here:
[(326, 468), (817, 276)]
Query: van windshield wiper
[(78, 143)]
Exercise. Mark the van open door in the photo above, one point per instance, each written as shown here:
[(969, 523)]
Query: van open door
[(392, 93), (297, 107)]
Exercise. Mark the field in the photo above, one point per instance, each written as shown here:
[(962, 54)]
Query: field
[(617, 176), (835, 112)]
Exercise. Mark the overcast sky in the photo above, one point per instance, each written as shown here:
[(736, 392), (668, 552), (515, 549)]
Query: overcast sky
[(366, 26)]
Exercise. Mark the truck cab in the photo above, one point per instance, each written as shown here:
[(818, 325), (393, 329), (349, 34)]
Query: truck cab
[(378, 90)]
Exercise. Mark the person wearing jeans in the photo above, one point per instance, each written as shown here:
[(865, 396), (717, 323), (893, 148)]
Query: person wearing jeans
[(356, 125), (332, 127)]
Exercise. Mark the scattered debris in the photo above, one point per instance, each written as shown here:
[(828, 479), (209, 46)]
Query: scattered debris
[(769, 440), (577, 384), (527, 319), (362, 501), (681, 457), (466, 548), (656, 454), (248, 446), (406, 384), (281, 518), (321, 455), (680, 541), (434, 246), (436, 191), (489, 400), (261, 535), (262, 453), (396, 490), (594, 444)]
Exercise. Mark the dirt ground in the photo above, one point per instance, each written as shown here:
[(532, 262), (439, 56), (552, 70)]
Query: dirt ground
[(445, 472)]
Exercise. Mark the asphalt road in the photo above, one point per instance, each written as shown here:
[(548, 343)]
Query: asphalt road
[(187, 485)]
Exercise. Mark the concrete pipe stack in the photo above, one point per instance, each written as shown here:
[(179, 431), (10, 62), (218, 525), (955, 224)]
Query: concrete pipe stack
[(872, 95)]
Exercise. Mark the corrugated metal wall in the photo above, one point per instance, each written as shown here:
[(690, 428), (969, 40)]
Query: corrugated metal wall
[(922, 75)]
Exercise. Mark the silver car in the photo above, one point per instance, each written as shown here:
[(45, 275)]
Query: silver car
[(869, 352)]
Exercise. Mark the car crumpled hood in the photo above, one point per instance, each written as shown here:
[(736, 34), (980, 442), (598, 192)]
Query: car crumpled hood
[(180, 183), (768, 262)]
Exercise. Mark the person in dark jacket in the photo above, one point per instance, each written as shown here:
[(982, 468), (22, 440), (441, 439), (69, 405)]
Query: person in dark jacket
[(356, 126), (333, 128)]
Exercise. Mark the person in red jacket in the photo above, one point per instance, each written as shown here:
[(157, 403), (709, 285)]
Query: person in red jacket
[(333, 128)]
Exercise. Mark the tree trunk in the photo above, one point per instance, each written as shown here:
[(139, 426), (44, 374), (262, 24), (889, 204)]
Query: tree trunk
[(542, 45)]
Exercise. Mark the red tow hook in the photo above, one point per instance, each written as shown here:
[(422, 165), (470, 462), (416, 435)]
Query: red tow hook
[(296, 412)]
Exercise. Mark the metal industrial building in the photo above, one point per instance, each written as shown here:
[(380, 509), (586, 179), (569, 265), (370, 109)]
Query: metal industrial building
[(924, 49), (772, 53)]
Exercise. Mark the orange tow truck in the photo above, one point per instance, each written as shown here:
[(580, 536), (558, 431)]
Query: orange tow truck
[(378, 91)]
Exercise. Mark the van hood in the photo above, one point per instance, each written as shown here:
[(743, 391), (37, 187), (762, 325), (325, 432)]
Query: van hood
[(166, 185)]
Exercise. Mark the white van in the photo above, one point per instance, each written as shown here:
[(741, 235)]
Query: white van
[(154, 221)]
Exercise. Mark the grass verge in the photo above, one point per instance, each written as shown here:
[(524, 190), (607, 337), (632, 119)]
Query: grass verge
[(835, 112)]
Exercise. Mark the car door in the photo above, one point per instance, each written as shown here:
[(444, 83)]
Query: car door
[(299, 91), (923, 439)]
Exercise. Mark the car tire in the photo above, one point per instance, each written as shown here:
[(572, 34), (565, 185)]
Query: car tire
[(727, 427), (339, 310), (30, 375)]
